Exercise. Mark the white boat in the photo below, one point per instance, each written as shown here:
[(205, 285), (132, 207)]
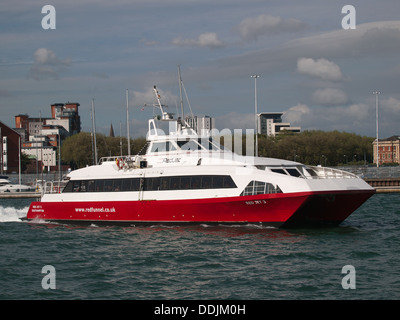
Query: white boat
[(188, 178), (7, 186)]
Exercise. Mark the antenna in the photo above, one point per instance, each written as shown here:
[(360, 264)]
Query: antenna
[(94, 132), (164, 115), (180, 90), (127, 123)]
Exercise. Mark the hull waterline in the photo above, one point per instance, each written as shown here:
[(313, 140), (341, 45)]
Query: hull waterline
[(278, 210)]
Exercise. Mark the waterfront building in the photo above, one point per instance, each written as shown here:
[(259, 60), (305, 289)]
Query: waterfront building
[(270, 123), (388, 150), (10, 148), (200, 123), (42, 136)]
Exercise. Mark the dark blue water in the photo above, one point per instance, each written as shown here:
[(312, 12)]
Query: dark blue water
[(202, 262)]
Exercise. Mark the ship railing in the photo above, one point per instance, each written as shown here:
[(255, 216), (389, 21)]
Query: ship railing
[(329, 173), (115, 158), (126, 162), (54, 186)]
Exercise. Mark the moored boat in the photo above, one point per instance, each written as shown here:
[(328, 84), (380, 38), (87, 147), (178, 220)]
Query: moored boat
[(7, 186)]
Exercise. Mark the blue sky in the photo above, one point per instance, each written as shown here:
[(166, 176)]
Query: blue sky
[(319, 74)]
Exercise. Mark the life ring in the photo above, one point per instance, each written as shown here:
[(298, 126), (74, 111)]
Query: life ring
[(120, 163)]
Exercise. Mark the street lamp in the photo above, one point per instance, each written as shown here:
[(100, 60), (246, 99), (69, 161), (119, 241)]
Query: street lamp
[(255, 76), (377, 93)]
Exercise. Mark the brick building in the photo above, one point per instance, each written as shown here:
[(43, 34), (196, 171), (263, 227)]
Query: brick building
[(42, 136), (388, 150), (10, 148)]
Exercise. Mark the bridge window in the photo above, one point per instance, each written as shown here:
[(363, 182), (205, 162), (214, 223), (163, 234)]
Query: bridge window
[(162, 146)]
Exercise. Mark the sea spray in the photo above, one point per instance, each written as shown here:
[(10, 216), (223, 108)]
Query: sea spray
[(10, 214)]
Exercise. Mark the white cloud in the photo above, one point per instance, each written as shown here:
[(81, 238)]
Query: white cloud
[(321, 68), (234, 120), (295, 114), (205, 40), (252, 28), (391, 105), (48, 57), (348, 118), (357, 112), (147, 97), (47, 65), (329, 96), (380, 38)]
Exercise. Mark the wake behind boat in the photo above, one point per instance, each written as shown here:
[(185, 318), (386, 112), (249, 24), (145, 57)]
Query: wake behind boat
[(188, 178)]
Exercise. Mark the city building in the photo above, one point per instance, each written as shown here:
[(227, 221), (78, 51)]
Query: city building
[(270, 123), (64, 115), (10, 147), (200, 123), (388, 150), (42, 136), (45, 155)]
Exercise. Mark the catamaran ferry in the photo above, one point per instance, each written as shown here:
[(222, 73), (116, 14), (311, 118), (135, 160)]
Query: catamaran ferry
[(188, 178)]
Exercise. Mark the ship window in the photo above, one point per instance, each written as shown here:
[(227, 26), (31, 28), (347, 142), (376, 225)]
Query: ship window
[(186, 182), (281, 171), (151, 184), (189, 145), (75, 186), (259, 187), (312, 172), (208, 144), (174, 183), (108, 185), (91, 186), (135, 184), (162, 147), (164, 183), (117, 185), (218, 182), (126, 185), (83, 186), (68, 187), (206, 182), (294, 172), (99, 185)]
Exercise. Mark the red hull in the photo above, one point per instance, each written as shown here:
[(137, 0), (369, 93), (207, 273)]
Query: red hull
[(305, 208)]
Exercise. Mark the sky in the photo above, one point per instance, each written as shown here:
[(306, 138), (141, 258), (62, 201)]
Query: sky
[(314, 68)]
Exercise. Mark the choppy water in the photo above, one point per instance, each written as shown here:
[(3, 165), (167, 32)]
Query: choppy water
[(202, 262)]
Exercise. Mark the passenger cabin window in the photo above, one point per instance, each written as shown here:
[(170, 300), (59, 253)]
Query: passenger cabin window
[(151, 184)]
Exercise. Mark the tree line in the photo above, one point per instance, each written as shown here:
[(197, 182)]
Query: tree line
[(314, 147), (317, 147), (78, 149)]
